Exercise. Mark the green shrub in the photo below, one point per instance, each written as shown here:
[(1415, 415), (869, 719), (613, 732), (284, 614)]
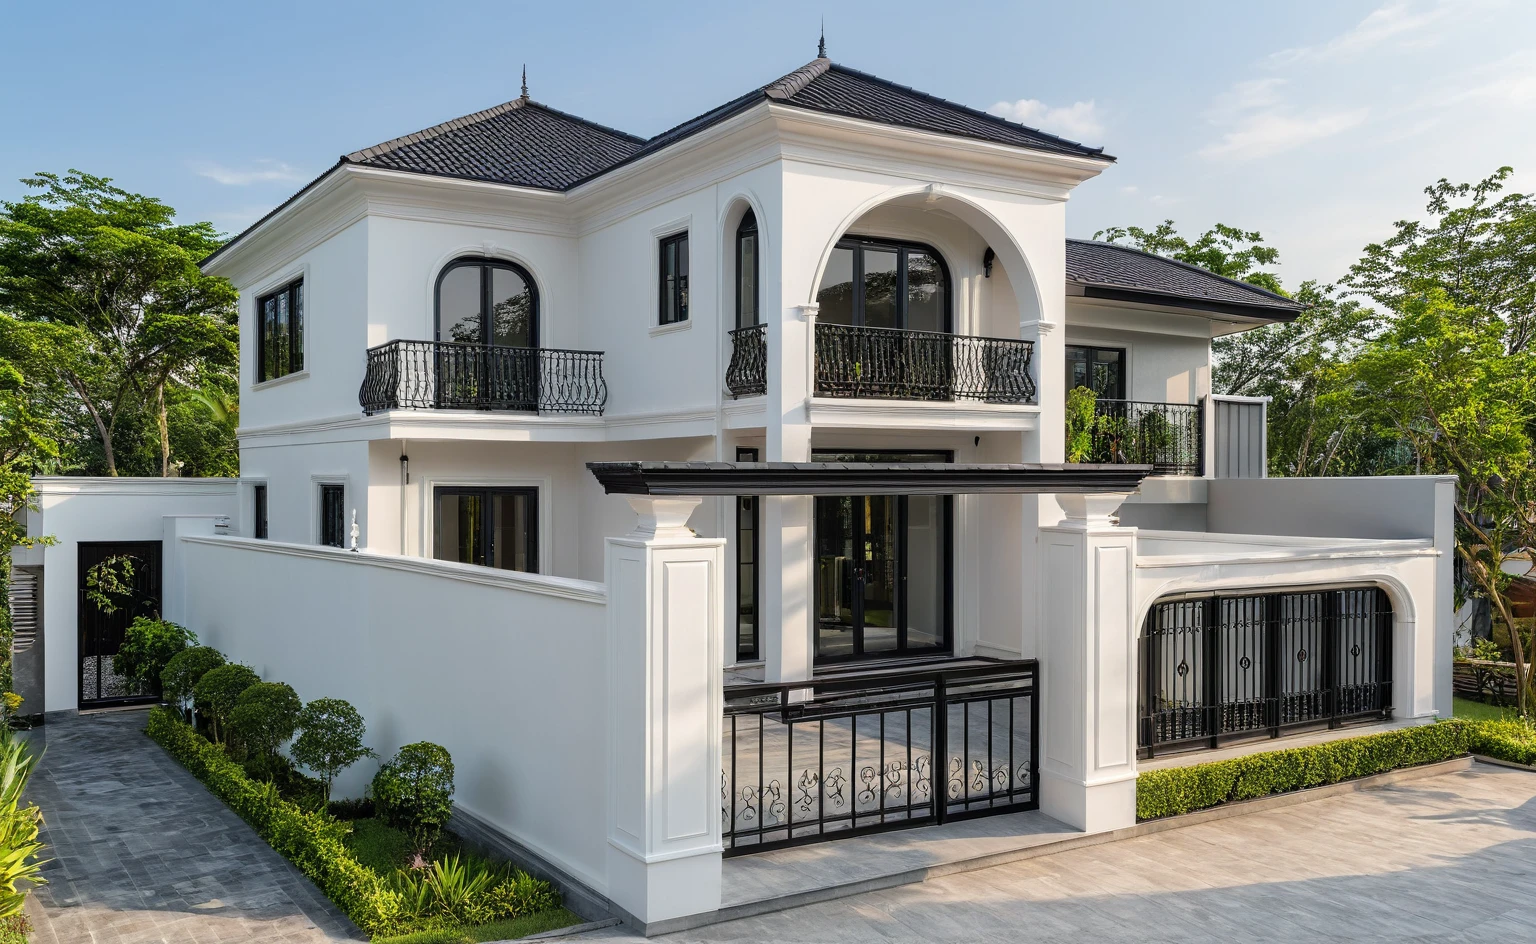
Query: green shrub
[(265, 715), (379, 846), (330, 739), (1511, 739), (1176, 790), (185, 670), (466, 890), (414, 792), (1080, 421), (313, 842), (148, 646), (216, 692), (19, 826)]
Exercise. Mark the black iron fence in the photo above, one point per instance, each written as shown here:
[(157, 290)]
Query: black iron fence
[(1219, 668), (833, 757), (896, 364), (747, 373), (424, 375), (1170, 437)]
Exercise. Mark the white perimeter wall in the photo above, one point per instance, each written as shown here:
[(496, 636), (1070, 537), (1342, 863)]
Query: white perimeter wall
[(504, 670)]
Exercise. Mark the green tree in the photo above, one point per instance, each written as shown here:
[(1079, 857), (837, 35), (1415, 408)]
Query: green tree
[(1222, 249), (330, 739), (265, 715), (102, 298), (217, 691)]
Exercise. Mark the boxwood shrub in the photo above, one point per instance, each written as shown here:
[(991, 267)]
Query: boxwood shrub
[(1176, 790)]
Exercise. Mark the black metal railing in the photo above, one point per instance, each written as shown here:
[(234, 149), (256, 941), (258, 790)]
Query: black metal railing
[(747, 373), (896, 364), (427, 375), (833, 757), (1219, 668), (1170, 437)]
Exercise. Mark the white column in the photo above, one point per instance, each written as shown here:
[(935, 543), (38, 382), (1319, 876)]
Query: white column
[(1088, 666), (666, 615), (786, 576)]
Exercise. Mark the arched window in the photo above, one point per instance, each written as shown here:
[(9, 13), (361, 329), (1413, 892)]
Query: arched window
[(486, 301), (883, 284), (747, 292)]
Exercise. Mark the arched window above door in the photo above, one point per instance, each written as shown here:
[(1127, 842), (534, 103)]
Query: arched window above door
[(885, 284), (487, 301)]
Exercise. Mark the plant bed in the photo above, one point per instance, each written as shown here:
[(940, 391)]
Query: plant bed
[(350, 861)]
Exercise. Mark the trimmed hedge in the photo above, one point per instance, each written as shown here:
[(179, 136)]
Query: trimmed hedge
[(1178, 790), (311, 841), (1512, 740)]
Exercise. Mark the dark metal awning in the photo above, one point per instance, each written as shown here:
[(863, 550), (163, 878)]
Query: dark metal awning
[(862, 478)]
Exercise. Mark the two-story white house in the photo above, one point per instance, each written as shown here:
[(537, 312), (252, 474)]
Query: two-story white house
[(820, 339)]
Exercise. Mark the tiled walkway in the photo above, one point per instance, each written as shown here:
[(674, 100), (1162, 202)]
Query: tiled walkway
[(143, 853)]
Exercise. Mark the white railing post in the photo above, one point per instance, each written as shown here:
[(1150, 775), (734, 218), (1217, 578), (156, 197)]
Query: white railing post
[(666, 608)]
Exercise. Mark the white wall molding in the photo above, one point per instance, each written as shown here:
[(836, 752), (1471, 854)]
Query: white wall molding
[(53, 485), (920, 414)]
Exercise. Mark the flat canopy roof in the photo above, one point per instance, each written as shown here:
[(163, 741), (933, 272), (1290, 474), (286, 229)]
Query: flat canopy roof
[(862, 478)]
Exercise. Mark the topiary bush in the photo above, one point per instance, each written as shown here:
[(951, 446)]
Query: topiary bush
[(414, 792), (330, 739), (148, 646), (185, 670), (265, 715), (216, 692)]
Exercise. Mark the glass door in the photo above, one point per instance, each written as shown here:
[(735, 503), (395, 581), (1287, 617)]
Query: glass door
[(882, 570)]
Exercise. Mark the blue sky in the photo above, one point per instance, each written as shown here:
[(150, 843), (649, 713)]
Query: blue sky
[(1317, 123)]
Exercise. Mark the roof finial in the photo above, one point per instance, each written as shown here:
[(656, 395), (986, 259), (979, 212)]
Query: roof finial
[(525, 81), (821, 47)]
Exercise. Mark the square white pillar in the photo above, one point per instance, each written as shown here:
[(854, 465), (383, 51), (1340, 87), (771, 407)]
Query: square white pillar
[(1088, 666), (666, 617)]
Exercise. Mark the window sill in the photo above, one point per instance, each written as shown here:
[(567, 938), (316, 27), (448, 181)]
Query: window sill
[(672, 328), (279, 381)]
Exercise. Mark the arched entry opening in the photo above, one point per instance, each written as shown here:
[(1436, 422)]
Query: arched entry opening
[(1220, 667)]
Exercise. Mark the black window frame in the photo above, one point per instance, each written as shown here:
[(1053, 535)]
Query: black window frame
[(901, 247), (746, 231), (677, 293), (333, 516), (294, 291), (259, 511), (531, 552), (749, 507), (487, 284), (1091, 350)]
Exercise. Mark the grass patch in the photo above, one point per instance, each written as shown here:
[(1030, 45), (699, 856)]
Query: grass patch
[(495, 931), (1480, 711), (382, 848)]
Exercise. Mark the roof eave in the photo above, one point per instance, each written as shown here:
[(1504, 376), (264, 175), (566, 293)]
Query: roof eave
[(702, 479), (1121, 293)]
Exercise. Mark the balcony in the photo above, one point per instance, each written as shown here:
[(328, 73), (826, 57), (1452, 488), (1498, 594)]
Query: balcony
[(897, 364), (747, 373), (1170, 437), (441, 375)]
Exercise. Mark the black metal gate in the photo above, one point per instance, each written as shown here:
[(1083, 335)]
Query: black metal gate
[(882, 750), (101, 633), (1219, 668)]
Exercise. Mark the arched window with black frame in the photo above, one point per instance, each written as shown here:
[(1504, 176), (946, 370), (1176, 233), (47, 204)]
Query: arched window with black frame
[(748, 297), (880, 283), (487, 335)]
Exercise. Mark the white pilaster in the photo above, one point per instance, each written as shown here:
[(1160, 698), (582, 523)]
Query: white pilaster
[(1088, 665), (666, 610), (173, 583), (785, 576)]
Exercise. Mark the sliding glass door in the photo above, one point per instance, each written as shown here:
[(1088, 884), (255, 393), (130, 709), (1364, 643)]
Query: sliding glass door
[(883, 570)]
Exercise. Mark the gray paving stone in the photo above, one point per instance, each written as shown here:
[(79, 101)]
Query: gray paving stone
[(143, 854)]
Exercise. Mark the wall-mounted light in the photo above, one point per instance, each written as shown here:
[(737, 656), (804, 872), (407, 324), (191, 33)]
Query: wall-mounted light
[(986, 262), (405, 469)]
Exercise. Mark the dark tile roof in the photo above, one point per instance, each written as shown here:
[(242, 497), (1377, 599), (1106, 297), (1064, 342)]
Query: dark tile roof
[(521, 143), (1107, 266)]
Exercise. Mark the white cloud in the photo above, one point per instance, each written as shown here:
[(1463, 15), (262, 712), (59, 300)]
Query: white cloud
[(1162, 200), (1271, 132), (1130, 189), (1079, 120), (1406, 23), (262, 171)]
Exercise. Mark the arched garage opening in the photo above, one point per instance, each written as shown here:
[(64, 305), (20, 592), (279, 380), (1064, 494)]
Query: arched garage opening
[(1228, 666)]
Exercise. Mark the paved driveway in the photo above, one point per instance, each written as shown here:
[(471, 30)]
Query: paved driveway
[(1448, 859), (143, 853)]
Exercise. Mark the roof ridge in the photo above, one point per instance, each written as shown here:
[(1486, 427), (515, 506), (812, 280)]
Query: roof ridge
[(1192, 267), (464, 121), (588, 122), (788, 85), (985, 115)]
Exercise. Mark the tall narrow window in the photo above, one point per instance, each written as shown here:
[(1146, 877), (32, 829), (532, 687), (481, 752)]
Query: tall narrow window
[(746, 271), (280, 346), (259, 511), (747, 547), (674, 279), (491, 527), (333, 515)]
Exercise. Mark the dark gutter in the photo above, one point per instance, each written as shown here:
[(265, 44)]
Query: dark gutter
[(861, 478), (1170, 300)]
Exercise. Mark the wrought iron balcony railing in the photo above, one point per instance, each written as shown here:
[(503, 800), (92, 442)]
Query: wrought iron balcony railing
[(747, 374), (1170, 437), (896, 364), (442, 375)]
